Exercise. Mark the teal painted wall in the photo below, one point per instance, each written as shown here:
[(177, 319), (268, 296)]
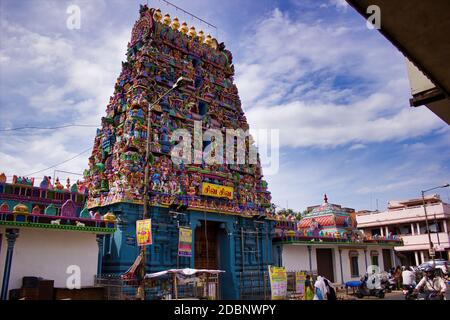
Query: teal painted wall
[(120, 249)]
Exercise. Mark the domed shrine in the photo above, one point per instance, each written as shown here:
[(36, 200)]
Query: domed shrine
[(327, 220), (226, 205)]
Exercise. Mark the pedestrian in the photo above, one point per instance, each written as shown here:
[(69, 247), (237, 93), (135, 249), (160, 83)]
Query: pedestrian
[(309, 289), (320, 289), (398, 278), (331, 294)]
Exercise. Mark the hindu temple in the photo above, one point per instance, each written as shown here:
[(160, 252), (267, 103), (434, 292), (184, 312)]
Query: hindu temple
[(227, 206)]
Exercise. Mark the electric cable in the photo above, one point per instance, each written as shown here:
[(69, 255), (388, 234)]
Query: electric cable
[(55, 165), (48, 128)]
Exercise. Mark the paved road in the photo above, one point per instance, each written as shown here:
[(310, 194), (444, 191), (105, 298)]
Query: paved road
[(398, 295)]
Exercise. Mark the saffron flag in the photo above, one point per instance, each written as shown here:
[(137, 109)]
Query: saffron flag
[(144, 232)]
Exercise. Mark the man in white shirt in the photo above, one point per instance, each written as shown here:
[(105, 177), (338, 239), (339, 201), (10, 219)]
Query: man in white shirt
[(432, 283), (408, 277)]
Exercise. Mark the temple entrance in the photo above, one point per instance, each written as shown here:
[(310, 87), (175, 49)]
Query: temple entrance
[(325, 263), (206, 246)]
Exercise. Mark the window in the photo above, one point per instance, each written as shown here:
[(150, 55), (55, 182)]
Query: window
[(375, 232), (375, 260), (436, 226), (354, 268), (404, 229), (374, 257)]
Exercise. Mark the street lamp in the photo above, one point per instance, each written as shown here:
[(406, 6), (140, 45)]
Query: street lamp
[(181, 82), (426, 217)]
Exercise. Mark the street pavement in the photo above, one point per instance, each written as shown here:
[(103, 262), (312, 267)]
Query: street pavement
[(398, 295)]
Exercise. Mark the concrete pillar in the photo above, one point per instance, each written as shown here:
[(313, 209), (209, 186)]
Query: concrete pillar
[(100, 238), (422, 256), (412, 229), (365, 258), (310, 259), (393, 258), (416, 255), (280, 256), (382, 231), (11, 236), (387, 232), (444, 222), (340, 263), (418, 228)]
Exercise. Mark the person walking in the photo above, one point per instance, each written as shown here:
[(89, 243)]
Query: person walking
[(309, 289), (398, 278), (320, 289)]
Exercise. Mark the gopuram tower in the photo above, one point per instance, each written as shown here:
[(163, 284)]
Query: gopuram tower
[(226, 205)]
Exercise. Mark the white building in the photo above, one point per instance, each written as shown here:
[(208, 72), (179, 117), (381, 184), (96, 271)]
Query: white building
[(326, 242), (339, 263), (407, 219)]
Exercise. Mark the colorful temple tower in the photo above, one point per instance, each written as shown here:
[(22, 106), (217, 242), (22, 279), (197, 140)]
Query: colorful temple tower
[(227, 206)]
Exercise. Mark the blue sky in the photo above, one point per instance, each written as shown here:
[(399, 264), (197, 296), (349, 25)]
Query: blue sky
[(337, 91)]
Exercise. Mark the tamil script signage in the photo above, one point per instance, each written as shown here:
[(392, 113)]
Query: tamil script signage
[(215, 190), (278, 282), (300, 278), (144, 232)]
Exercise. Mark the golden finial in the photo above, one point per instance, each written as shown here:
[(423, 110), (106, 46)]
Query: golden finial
[(166, 19), (157, 15), (208, 40), (192, 32), (175, 23), (184, 28), (215, 44), (201, 36), (109, 217)]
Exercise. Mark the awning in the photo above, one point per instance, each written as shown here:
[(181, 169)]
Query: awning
[(183, 272), (130, 273)]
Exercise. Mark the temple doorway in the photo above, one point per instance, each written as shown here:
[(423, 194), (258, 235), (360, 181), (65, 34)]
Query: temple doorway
[(206, 245), (325, 263)]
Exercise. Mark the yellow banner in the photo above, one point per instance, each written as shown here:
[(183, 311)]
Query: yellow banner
[(300, 278), (278, 282), (215, 190), (144, 232)]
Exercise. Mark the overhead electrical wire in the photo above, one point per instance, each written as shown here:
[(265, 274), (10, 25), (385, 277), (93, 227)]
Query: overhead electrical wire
[(48, 128), (55, 165)]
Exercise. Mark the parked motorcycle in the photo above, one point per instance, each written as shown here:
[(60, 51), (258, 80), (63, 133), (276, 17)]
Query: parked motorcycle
[(370, 286), (388, 282)]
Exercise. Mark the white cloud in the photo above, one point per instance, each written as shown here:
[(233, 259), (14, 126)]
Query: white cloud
[(64, 80), (340, 4), (294, 78), (357, 146)]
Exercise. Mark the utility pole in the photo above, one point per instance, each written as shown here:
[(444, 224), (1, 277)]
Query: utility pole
[(432, 254), (181, 81)]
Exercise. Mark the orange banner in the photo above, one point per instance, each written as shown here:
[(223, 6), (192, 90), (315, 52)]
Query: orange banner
[(215, 190)]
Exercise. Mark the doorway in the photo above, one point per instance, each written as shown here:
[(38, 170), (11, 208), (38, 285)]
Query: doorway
[(387, 259), (206, 246), (325, 263)]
